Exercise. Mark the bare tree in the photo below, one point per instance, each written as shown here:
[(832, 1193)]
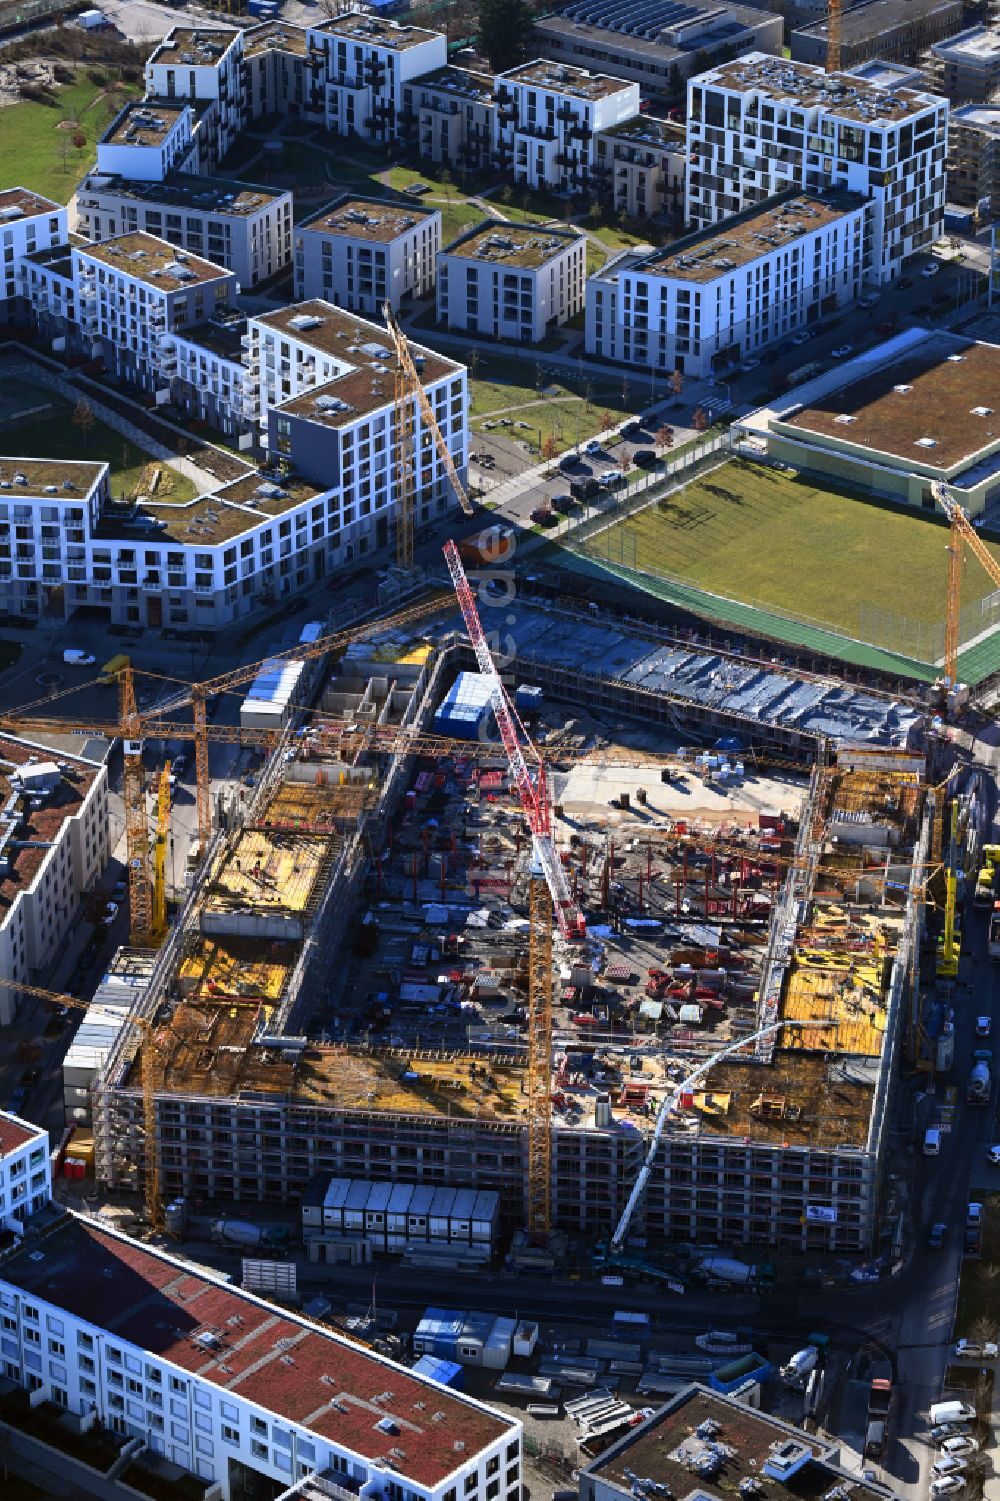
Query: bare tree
[(84, 418)]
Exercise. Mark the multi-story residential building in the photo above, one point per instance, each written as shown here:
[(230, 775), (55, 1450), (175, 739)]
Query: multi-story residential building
[(639, 168), (149, 139), (276, 78), (134, 293), (360, 64), (974, 159), (54, 832), (326, 397), (966, 69), (547, 116), (29, 224), (760, 125), (511, 281), (48, 294), (245, 228), (719, 296), (204, 64), (894, 30), (658, 47), (209, 379), (25, 1171), (448, 117), (361, 253), (249, 1398)]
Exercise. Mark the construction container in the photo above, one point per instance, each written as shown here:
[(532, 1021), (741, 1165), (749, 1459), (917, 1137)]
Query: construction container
[(529, 699), (466, 707), (274, 693)]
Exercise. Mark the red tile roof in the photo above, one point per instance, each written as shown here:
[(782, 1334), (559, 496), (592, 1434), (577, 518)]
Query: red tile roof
[(285, 1365), (15, 1133)]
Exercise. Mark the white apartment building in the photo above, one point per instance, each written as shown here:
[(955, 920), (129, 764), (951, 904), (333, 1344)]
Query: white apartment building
[(359, 65), (243, 1394), (276, 77), (148, 140), (721, 295), (203, 65), (326, 397), (762, 125), (54, 830), (134, 293), (28, 224), (639, 168), (25, 1171), (547, 115), (361, 253), (244, 228), (448, 117), (209, 379), (511, 281)]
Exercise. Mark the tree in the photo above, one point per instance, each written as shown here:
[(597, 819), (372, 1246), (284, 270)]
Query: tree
[(676, 382), (700, 420), (550, 447), (664, 437), (79, 140), (505, 28), (447, 182), (84, 418)]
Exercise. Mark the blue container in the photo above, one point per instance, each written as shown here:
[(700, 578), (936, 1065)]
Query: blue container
[(466, 707)]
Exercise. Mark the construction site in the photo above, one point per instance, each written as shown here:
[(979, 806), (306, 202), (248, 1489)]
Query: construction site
[(370, 978)]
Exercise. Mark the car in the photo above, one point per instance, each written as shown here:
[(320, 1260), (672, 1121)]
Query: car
[(644, 458), (942, 1431), (904, 282), (936, 1236), (971, 1349), (931, 269), (870, 299), (993, 1155), (948, 1464), (563, 503), (569, 461), (633, 431), (748, 365), (110, 913), (947, 1485), (584, 1019), (802, 337), (612, 477), (74, 658), (593, 445), (842, 351), (961, 1443), (974, 1216), (983, 1024)]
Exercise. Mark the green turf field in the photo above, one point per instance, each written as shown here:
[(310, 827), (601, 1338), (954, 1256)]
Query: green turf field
[(36, 139)]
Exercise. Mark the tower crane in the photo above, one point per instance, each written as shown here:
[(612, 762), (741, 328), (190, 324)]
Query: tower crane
[(159, 917), (548, 892), (409, 387), (834, 34), (962, 531)]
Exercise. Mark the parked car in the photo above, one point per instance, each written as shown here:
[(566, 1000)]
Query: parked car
[(961, 1443), (904, 282), (974, 1216), (802, 337), (593, 445), (947, 1465), (931, 269), (983, 1024), (942, 1431), (993, 1156), (842, 351), (74, 658), (645, 458), (110, 913), (563, 503), (633, 431), (584, 1019), (870, 299), (612, 477), (748, 365), (936, 1236), (947, 1485), (970, 1349)]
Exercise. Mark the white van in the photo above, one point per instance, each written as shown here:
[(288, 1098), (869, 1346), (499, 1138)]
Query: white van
[(951, 1412), (932, 1141)]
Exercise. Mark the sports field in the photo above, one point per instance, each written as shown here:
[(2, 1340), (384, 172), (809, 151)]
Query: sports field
[(781, 542)]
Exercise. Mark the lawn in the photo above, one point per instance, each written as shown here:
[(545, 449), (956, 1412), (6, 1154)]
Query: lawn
[(56, 436), (551, 401), (36, 153), (778, 540)]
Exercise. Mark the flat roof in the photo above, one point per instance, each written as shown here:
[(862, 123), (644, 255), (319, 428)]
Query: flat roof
[(375, 31), (39, 826), (505, 244), (932, 393), (22, 203), (562, 78), (715, 252), (301, 1372), (216, 195), (57, 259), (16, 1133), (209, 520), (377, 219), (668, 1447), (464, 83), (806, 86), (977, 117), (144, 122), (649, 130), (979, 46), (275, 36), (156, 262), (555, 30), (74, 479), (860, 22), (219, 338), (196, 46)]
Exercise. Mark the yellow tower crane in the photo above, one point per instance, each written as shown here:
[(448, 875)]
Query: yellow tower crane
[(159, 922), (962, 532)]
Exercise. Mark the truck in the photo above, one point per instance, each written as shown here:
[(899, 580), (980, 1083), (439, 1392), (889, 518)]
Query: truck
[(979, 1084), (112, 667), (803, 373), (241, 1235), (796, 1372), (879, 1405)]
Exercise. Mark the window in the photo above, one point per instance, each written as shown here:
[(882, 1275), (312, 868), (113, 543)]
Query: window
[(177, 1385), (471, 1482), (257, 1449), (257, 1425), (230, 1435)]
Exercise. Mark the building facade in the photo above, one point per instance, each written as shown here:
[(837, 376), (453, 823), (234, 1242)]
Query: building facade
[(974, 159), (511, 281), (29, 225), (760, 125), (448, 117), (547, 116), (720, 296), (639, 168), (360, 64), (25, 1171), (966, 68), (203, 65), (893, 30), (54, 829), (360, 253), (246, 229)]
